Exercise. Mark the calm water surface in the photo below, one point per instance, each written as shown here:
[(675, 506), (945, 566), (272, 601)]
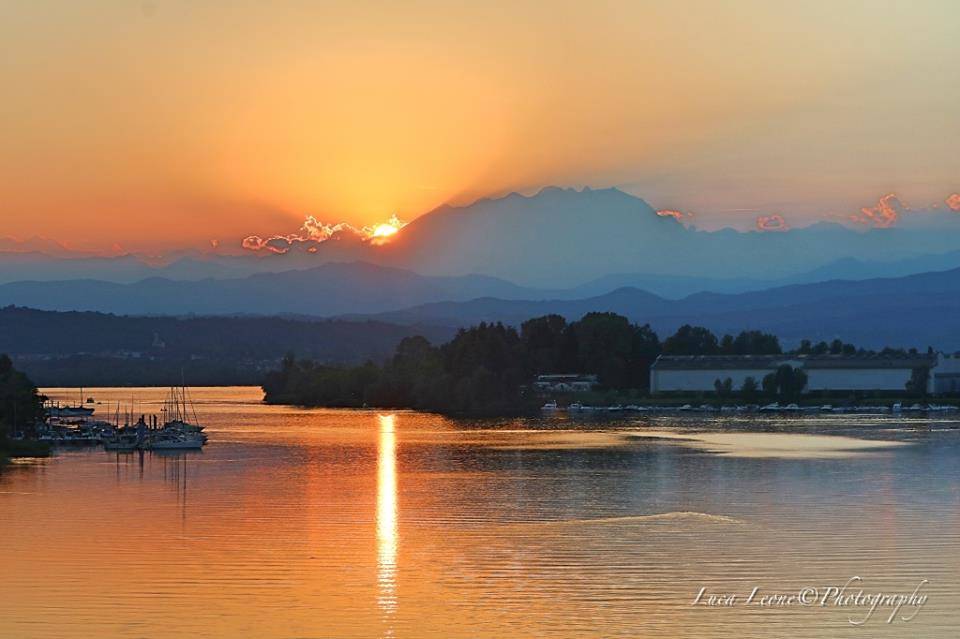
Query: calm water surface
[(323, 523)]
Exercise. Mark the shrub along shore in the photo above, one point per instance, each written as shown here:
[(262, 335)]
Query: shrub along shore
[(21, 408)]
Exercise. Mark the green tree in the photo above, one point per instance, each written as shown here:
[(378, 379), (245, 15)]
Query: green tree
[(724, 388), (21, 406), (646, 348), (726, 345), (691, 340), (756, 343), (917, 384), (749, 388), (606, 342), (543, 340), (786, 383)]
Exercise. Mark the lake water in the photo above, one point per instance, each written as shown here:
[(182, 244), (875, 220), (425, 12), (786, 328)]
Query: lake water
[(330, 523)]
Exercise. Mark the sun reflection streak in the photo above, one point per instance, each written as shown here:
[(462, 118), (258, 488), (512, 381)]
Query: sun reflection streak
[(387, 515)]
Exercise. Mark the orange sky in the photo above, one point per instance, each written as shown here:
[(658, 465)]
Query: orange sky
[(163, 123)]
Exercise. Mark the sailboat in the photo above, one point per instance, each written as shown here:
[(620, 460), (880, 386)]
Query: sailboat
[(70, 411), (181, 429)]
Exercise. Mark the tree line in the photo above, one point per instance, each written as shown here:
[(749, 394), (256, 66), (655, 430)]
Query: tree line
[(488, 368)]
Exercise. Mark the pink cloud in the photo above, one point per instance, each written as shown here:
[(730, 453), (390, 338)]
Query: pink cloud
[(257, 243), (772, 223), (679, 216), (884, 215)]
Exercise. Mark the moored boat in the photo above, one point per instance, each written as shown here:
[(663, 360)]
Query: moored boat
[(179, 442)]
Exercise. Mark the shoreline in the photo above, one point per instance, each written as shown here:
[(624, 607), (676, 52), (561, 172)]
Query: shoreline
[(20, 448)]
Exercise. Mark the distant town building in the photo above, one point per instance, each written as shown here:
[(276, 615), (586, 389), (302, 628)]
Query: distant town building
[(875, 372), (565, 382)]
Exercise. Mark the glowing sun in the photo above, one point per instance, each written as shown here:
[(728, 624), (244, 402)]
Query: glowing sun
[(384, 230), (380, 233)]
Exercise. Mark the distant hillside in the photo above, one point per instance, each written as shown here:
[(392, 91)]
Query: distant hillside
[(100, 349), (916, 310), (331, 289)]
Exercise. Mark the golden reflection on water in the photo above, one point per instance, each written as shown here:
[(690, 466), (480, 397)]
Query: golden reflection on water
[(288, 525), (387, 515)]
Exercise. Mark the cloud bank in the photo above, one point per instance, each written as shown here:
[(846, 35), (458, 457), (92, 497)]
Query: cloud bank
[(313, 233)]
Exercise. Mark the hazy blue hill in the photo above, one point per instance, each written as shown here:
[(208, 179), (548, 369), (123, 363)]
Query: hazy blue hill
[(915, 310), (19, 266), (625, 301), (874, 312), (330, 289), (667, 286), (856, 269), (83, 348)]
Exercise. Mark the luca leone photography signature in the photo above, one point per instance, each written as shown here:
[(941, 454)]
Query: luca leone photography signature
[(902, 606)]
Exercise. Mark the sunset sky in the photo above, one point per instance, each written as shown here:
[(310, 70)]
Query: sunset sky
[(170, 123)]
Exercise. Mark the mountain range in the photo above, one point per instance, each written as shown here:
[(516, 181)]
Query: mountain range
[(560, 251), (556, 239), (911, 311), (874, 312)]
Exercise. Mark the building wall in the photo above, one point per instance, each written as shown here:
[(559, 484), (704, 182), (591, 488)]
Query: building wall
[(864, 379), (818, 379), (662, 381), (947, 383), (946, 374)]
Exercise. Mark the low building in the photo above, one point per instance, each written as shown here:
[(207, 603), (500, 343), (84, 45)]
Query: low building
[(875, 372), (946, 375), (565, 382)]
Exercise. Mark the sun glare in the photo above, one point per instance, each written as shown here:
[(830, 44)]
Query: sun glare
[(384, 230), (380, 233)]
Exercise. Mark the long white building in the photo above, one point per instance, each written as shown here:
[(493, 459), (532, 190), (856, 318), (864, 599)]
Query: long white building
[(824, 372)]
